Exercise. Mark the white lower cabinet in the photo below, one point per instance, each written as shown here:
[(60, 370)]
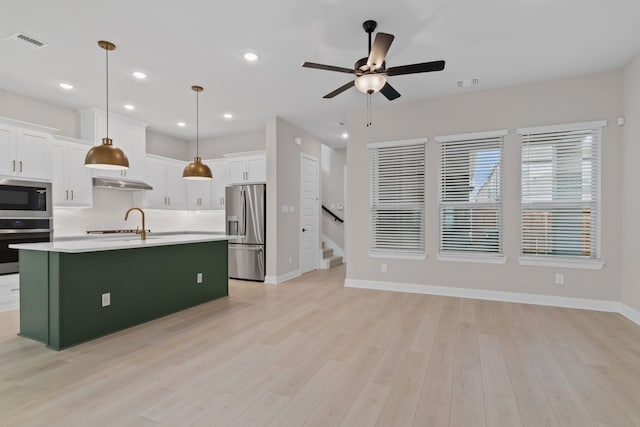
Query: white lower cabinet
[(169, 188), (71, 182)]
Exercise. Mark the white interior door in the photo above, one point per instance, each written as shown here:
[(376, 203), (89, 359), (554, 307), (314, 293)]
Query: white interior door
[(308, 212)]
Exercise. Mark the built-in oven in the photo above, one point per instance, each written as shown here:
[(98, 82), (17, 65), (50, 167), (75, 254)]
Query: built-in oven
[(25, 217)]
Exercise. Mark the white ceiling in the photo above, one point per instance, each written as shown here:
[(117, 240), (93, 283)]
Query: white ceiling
[(181, 43)]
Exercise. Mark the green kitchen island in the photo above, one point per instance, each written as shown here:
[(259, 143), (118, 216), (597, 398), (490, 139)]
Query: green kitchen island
[(75, 291)]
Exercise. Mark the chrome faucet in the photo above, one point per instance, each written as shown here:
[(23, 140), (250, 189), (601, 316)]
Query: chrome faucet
[(143, 232)]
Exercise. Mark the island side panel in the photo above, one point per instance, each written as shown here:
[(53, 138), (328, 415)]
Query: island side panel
[(34, 295), (144, 284)]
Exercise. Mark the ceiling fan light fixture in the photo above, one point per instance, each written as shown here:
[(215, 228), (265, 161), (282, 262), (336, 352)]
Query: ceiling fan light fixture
[(370, 83)]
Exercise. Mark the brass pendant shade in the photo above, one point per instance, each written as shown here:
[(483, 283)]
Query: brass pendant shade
[(197, 170), (106, 156)]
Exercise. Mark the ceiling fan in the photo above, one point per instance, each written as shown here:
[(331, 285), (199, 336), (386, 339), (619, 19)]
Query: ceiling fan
[(371, 72)]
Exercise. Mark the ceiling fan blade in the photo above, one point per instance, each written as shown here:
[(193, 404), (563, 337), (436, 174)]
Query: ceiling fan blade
[(423, 67), (340, 89), (389, 92), (379, 50), (328, 67)]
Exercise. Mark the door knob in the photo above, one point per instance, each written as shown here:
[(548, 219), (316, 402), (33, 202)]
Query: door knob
[(304, 229)]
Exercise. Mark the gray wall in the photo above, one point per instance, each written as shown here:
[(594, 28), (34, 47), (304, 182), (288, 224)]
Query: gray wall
[(216, 147), (585, 98), (283, 188), (168, 146), (333, 162), (39, 112), (630, 294)]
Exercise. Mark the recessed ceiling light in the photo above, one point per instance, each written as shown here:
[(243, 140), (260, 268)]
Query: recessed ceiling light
[(182, 124), (250, 56), (129, 107), (139, 75), (227, 116), (65, 86), (345, 135)]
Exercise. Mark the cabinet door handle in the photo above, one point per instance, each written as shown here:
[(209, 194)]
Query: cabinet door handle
[(169, 199), (165, 200), (67, 196), (71, 194), (13, 169), (20, 163)]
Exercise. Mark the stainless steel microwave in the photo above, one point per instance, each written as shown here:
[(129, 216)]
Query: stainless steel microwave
[(20, 199)]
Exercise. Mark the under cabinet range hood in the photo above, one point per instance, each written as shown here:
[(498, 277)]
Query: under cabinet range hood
[(120, 184)]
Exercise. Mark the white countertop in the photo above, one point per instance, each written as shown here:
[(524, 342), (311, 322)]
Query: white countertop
[(128, 241)]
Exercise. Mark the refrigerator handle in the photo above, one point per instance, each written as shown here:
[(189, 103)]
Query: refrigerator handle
[(243, 209)]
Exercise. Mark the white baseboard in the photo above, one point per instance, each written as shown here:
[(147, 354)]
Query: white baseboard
[(630, 313), (517, 297), (274, 280)]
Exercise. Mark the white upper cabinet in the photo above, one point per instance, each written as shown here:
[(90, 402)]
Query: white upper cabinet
[(169, 189), (246, 169), (219, 169), (25, 150), (199, 195), (71, 182), (127, 134)]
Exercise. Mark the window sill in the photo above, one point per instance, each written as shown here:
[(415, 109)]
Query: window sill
[(391, 255), (483, 259), (585, 264)]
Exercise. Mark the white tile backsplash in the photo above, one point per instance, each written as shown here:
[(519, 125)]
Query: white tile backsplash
[(110, 206)]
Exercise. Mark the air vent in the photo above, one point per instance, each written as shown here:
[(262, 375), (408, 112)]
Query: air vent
[(468, 83), (26, 41)]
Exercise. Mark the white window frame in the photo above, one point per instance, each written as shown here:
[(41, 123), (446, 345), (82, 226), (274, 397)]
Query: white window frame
[(550, 260), (419, 254), (498, 205)]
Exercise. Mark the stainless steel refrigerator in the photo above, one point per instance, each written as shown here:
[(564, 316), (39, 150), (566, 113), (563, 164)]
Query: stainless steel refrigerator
[(245, 216)]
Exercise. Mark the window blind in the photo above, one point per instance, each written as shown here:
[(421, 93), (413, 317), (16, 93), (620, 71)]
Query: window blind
[(560, 180), (470, 193), (397, 197)]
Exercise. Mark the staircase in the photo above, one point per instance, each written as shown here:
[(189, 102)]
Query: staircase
[(329, 260)]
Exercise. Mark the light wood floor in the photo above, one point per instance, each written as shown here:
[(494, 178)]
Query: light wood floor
[(312, 353)]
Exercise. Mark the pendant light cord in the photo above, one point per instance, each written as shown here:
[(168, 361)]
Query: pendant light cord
[(197, 124), (107, 55)]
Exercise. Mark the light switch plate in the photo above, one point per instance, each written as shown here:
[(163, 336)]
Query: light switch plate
[(199, 278), (292, 208), (106, 299), (284, 208)]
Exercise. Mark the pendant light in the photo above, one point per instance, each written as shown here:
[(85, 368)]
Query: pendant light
[(106, 155), (197, 170)]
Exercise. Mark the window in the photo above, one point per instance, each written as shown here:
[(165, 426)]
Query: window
[(397, 197), (470, 193), (560, 190)]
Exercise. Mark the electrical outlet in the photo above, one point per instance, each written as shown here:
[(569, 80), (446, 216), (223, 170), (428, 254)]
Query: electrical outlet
[(383, 267), (559, 279), (106, 299), (199, 278)]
